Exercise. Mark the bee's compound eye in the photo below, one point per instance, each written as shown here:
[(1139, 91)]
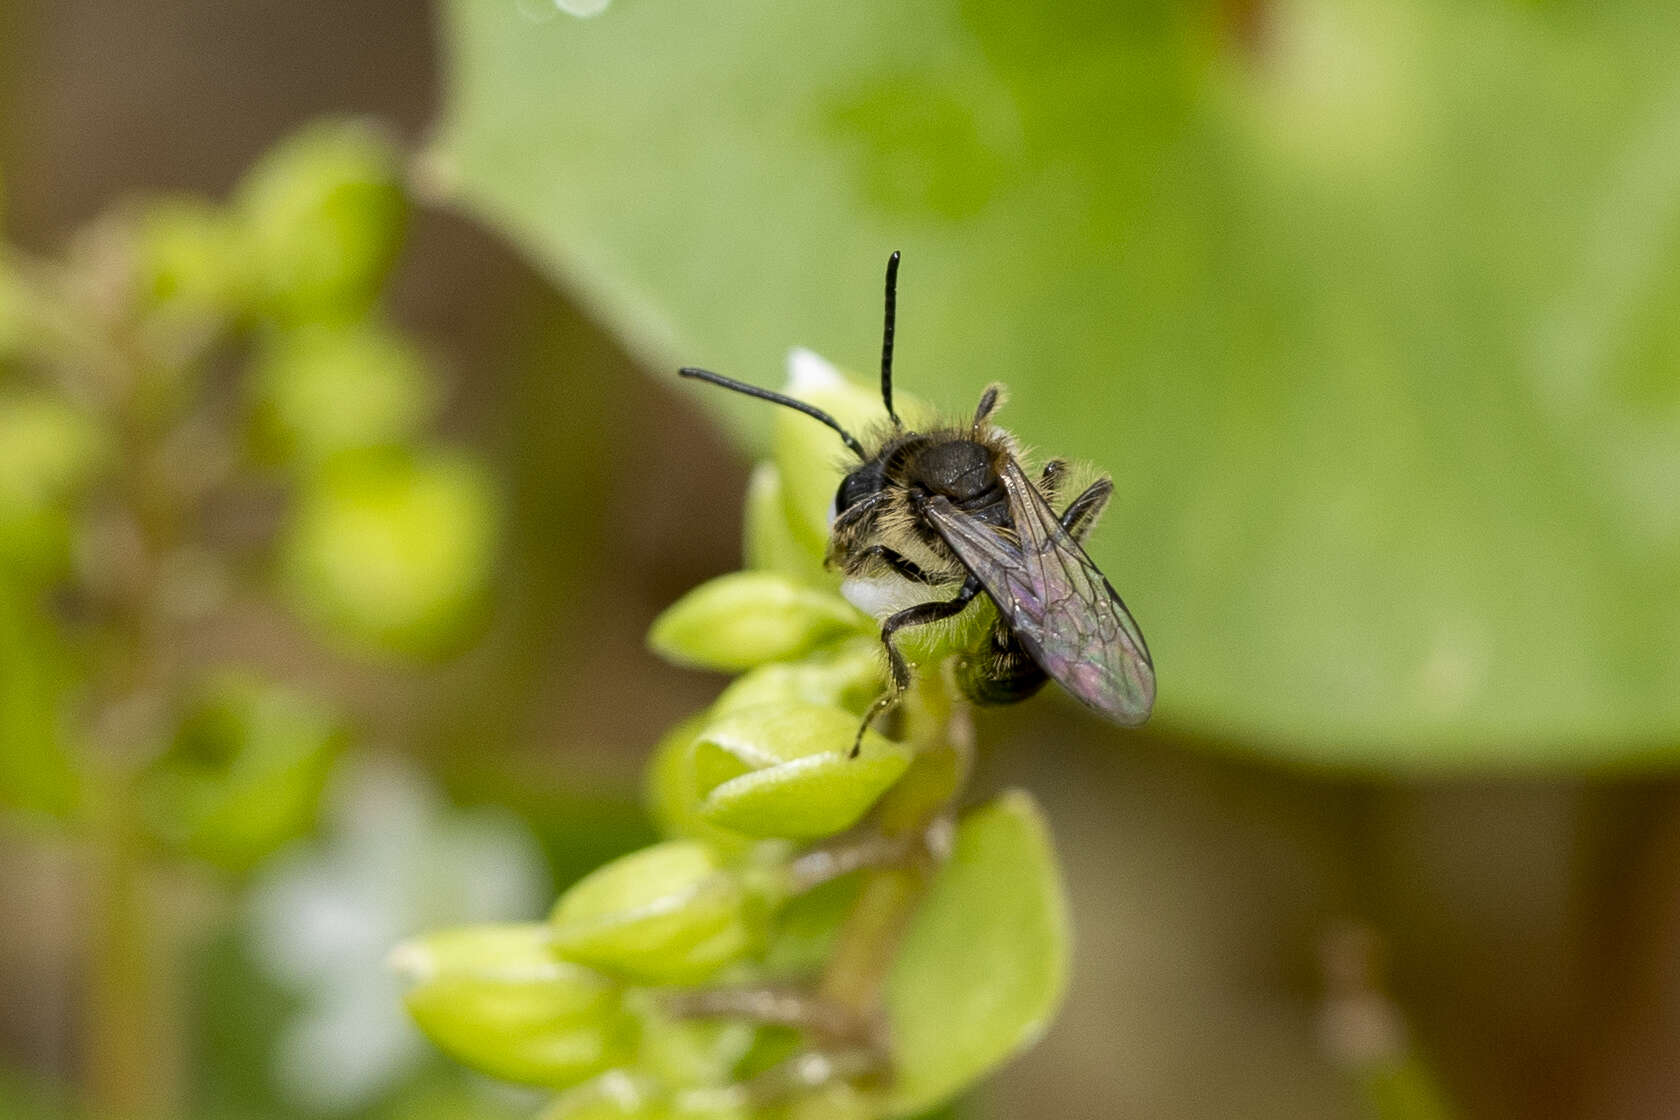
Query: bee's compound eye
[(853, 488)]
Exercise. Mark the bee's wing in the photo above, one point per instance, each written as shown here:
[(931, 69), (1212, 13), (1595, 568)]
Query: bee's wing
[(1060, 606)]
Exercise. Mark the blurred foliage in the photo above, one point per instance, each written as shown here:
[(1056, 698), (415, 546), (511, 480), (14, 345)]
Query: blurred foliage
[(243, 774), (205, 413), (394, 858), (728, 973), (1367, 306), (394, 550)]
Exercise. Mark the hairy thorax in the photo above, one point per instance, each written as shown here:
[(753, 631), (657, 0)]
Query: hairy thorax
[(879, 529)]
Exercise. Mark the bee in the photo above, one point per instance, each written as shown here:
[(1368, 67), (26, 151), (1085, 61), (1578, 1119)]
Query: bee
[(952, 508)]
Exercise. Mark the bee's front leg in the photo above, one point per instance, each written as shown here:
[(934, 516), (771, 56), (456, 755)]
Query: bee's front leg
[(918, 615)]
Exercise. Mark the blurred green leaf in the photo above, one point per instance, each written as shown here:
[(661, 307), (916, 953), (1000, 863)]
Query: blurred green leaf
[(1369, 311), (985, 960)]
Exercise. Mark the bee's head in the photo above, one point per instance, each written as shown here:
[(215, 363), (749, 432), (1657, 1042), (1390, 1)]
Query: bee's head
[(867, 481)]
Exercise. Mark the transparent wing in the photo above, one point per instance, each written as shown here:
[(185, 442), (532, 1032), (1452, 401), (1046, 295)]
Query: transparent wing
[(1061, 607)]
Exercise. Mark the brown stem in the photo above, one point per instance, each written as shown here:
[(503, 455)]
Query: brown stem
[(917, 807), (774, 1005)]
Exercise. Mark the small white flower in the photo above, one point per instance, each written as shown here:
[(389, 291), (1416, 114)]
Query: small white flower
[(394, 860)]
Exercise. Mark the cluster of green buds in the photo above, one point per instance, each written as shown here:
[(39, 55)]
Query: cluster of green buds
[(203, 402), (819, 937)]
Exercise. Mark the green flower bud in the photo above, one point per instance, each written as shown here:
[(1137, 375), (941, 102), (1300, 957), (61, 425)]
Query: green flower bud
[(673, 799), (669, 914), (769, 542), (191, 259), (243, 775), (48, 452), (622, 1096), (743, 619), (808, 459), (324, 389), (846, 675), (612, 1096), (688, 1051), (497, 998), (324, 213), (394, 551), (782, 770), (836, 1101)]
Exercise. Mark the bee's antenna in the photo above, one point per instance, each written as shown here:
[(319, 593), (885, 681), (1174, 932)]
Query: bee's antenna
[(887, 338), (810, 410)]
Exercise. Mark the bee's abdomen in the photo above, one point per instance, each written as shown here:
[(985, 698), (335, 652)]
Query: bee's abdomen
[(1002, 673)]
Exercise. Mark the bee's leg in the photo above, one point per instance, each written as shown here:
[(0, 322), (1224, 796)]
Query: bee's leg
[(988, 402), (918, 615), (897, 561), (1050, 479), (1084, 510)]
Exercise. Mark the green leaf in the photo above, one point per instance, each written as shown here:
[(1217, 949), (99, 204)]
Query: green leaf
[(497, 998), (743, 619), (1371, 317), (782, 770), (985, 960)]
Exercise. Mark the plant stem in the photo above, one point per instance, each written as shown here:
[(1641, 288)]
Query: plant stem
[(912, 811), (130, 1063)]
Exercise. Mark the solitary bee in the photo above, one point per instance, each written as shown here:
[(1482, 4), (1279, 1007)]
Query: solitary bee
[(952, 508)]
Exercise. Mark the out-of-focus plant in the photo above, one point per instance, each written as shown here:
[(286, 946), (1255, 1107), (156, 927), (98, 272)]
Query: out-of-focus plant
[(818, 936), (393, 859), (203, 407)]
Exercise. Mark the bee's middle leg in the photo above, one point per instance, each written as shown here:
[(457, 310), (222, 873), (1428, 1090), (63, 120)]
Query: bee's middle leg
[(897, 561), (918, 615)]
